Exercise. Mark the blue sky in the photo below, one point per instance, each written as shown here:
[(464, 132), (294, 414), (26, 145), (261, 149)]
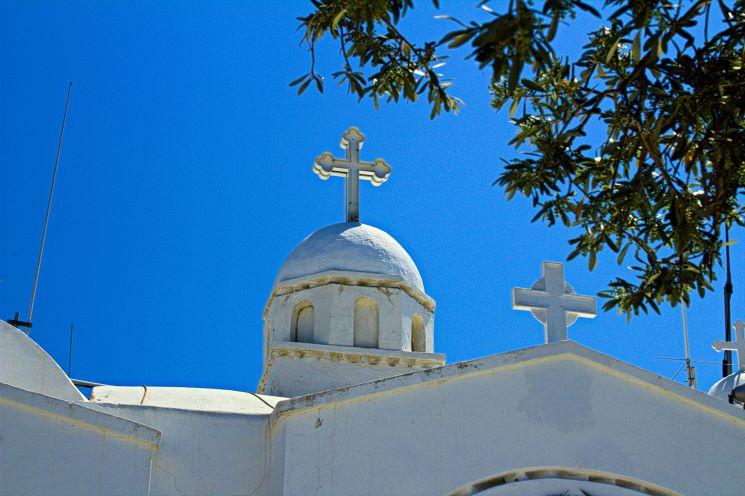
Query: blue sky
[(186, 179)]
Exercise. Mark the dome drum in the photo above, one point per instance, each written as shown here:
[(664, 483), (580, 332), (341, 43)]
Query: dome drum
[(346, 291), (336, 314)]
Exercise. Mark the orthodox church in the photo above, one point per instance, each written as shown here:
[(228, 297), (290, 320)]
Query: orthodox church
[(354, 399)]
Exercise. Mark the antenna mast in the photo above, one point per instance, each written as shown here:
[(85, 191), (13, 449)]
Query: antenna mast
[(27, 324), (689, 368), (727, 357), (69, 356)]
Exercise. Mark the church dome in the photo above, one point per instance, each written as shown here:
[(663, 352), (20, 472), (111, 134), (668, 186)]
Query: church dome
[(723, 387), (350, 247)]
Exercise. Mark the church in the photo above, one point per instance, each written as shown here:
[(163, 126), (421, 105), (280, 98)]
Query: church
[(354, 399)]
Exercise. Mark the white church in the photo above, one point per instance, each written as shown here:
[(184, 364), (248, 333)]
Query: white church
[(354, 399)]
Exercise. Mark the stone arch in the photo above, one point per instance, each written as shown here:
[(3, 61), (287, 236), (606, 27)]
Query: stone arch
[(366, 323), (303, 322), (584, 480), (418, 334)]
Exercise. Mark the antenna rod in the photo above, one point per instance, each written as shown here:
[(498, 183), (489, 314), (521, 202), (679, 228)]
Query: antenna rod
[(727, 357), (69, 355), (49, 208), (689, 368)]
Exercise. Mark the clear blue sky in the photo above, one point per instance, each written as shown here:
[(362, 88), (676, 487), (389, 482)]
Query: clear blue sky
[(186, 179)]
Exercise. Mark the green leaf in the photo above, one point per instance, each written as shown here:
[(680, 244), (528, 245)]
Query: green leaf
[(513, 107), (636, 48), (338, 17), (303, 87), (622, 254), (587, 8), (298, 80), (532, 85), (460, 40)]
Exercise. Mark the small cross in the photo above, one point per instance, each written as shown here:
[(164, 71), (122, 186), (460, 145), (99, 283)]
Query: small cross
[(737, 345), (377, 172), (552, 301)]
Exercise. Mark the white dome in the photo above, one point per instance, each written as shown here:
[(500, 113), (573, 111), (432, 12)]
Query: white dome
[(723, 387), (350, 247)]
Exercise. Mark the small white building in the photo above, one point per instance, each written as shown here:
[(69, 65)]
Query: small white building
[(354, 400)]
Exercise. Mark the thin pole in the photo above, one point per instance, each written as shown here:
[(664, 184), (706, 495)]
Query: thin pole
[(49, 208), (689, 367), (69, 355), (727, 357)]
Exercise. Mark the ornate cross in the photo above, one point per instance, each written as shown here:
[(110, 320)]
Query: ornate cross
[(737, 345), (377, 172), (552, 301)]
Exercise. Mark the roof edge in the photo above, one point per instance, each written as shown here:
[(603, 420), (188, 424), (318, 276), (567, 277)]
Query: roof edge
[(80, 414), (348, 278), (533, 354), (405, 360)]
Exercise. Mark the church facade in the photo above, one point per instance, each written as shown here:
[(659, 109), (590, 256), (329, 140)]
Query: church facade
[(355, 400)]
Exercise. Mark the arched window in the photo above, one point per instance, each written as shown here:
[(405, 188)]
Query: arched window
[(366, 323), (302, 323), (560, 480), (418, 336)]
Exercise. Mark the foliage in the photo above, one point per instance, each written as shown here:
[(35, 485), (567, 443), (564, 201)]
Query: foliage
[(638, 143)]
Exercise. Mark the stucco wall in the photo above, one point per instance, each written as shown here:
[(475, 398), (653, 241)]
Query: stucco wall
[(434, 437), (48, 446), (204, 453)]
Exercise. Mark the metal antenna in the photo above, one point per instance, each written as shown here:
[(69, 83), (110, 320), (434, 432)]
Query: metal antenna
[(49, 208), (690, 368), (69, 355), (727, 357)]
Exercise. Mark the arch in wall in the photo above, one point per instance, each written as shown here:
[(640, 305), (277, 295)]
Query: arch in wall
[(366, 323), (303, 321), (418, 334), (560, 480)]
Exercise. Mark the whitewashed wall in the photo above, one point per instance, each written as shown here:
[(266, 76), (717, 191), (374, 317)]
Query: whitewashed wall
[(49, 446), (204, 453), (466, 422)]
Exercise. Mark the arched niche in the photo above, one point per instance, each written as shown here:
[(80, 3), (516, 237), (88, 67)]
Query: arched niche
[(560, 480), (366, 323), (303, 322), (418, 334)]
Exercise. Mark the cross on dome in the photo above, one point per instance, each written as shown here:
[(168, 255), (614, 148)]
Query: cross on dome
[(737, 345), (553, 302), (352, 169)]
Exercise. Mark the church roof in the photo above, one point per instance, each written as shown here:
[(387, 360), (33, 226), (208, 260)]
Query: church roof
[(74, 413), (195, 399), (350, 247), (525, 357), (24, 364)]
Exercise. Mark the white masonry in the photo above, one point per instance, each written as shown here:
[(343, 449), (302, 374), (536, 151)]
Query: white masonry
[(553, 302), (352, 169)]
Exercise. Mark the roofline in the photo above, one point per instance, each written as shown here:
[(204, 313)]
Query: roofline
[(79, 414), (349, 278), (108, 408), (405, 360), (522, 357)]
